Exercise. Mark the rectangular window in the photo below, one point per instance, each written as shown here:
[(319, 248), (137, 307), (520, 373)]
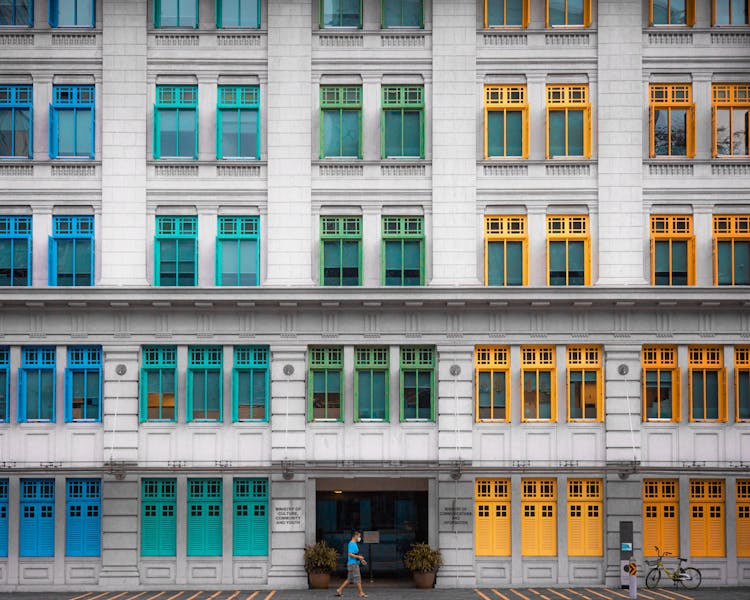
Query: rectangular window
[(568, 121), (585, 517), (176, 121), (158, 383), (15, 251), (204, 520), (176, 251), (371, 384), (71, 251), (403, 251), (585, 391), (340, 250), (159, 517), (250, 525), (36, 384), (538, 377), (16, 117), (506, 121), (176, 13), (238, 122), (729, 12), (17, 12), (83, 520), (568, 13), (71, 13), (672, 12), (37, 526), (538, 517), (402, 121), (340, 13), (71, 121), (506, 13), (492, 527), (238, 251), (341, 121), (661, 517), (743, 518), (731, 250), (707, 525), (250, 384), (417, 383), (505, 250), (238, 13), (672, 120), (204, 383), (83, 384), (741, 382), (731, 115), (661, 384), (402, 13), (707, 383), (672, 250), (568, 250), (492, 385), (325, 389), (4, 384), (3, 518)]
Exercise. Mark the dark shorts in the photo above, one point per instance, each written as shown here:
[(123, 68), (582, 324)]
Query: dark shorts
[(352, 574)]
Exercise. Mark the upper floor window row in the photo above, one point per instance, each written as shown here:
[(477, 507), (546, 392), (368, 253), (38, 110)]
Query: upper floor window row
[(557, 13), (61, 13), (229, 13), (683, 12), (393, 13)]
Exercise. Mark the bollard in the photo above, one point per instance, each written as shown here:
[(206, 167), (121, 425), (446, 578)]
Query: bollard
[(633, 580)]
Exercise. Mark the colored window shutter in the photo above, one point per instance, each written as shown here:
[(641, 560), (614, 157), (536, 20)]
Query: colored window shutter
[(158, 517), (250, 523), (3, 517), (37, 518), (83, 517), (204, 519)]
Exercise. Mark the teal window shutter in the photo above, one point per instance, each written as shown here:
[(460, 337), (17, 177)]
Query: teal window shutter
[(37, 518), (16, 120), (158, 517), (36, 384), (176, 122), (204, 519), (238, 251), (176, 251), (250, 521)]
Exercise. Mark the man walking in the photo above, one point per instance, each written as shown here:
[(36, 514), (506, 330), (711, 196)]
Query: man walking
[(354, 559)]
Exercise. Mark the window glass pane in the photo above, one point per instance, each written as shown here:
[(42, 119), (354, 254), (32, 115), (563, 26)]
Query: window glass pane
[(213, 395), (514, 12), (557, 264), (6, 132), (661, 263), (78, 395), (350, 133), (334, 394), (248, 262), (724, 260), (575, 133), (677, 14), (66, 13), (557, 12), (722, 10), (244, 394), (65, 262), (66, 131), (484, 393), (331, 133), (411, 133), (32, 394), (424, 398), (679, 263), (83, 132), (6, 261), (168, 132), (249, 13), (187, 13), (20, 262), (259, 395), (229, 262), (739, 12), (6, 12), (514, 263), (712, 395), (495, 134), (23, 12), (319, 394), (364, 394), (545, 395), (665, 395), (723, 132), (393, 272), (498, 395), (575, 385), (661, 12), (412, 263), (576, 264), (85, 14), (392, 13), (83, 262), (168, 262), (739, 133), (679, 132), (557, 133), (514, 134), (22, 134), (350, 263), (199, 395), (495, 263), (379, 394), (661, 132), (412, 12), (697, 395), (47, 387), (331, 14), (92, 395), (186, 134), (743, 393), (168, 395), (529, 394), (742, 263), (393, 145), (410, 394), (350, 13), (230, 13), (169, 13), (186, 264), (229, 137), (575, 12), (248, 133), (652, 394), (332, 263), (495, 15)]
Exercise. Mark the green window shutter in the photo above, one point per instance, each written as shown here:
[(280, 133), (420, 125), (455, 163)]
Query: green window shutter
[(402, 126), (403, 251), (250, 524), (158, 517), (340, 121), (341, 250), (204, 519)]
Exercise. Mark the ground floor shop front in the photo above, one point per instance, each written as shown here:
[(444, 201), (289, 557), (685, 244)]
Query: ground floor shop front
[(221, 528)]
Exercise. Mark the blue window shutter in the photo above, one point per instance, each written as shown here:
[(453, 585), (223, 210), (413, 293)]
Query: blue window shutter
[(52, 132), (219, 18), (22, 396), (92, 131), (51, 261), (3, 517), (143, 413), (74, 528), (46, 529), (27, 530), (31, 14), (68, 400), (53, 10), (93, 23)]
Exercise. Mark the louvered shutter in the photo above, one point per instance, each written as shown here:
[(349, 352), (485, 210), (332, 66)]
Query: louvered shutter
[(92, 533), (576, 536), (213, 528), (691, 131), (742, 528), (3, 527), (150, 528), (594, 545), (483, 530), (195, 529), (697, 530), (501, 530), (259, 529), (167, 529), (75, 524), (46, 529), (547, 531), (715, 528), (28, 530), (650, 528), (241, 529), (670, 528), (529, 525)]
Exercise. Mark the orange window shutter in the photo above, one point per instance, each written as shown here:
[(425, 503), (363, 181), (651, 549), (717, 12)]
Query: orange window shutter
[(483, 531), (548, 535), (743, 530), (651, 130), (691, 131), (690, 395), (714, 133), (594, 534), (546, 152), (587, 132), (677, 396), (653, 277), (546, 14), (576, 536), (502, 533), (690, 13), (529, 527), (697, 531), (650, 529), (670, 528), (715, 543), (525, 117), (723, 400), (525, 10), (651, 13), (691, 261), (587, 13), (715, 257)]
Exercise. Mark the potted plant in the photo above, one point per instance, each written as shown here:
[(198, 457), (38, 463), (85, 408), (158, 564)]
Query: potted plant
[(423, 562), (320, 561)]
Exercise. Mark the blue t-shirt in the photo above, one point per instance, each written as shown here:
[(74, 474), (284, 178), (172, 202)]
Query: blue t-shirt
[(352, 549)]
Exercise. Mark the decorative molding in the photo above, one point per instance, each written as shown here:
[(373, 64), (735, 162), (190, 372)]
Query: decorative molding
[(567, 39), (731, 169), (506, 170), (412, 327), (73, 40), (17, 39), (706, 325), (246, 322), (204, 324), (162, 325), (341, 170), (78, 327), (537, 324), (371, 325), (238, 40), (454, 325), (402, 40), (36, 325), (238, 170), (13, 170), (579, 324), (176, 40), (288, 325), (726, 38), (664, 324), (671, 170), (176, 170), (341, 40), (403, 170), (73, 170), (621, 323), (122, 324), (329, 324), (670, 38), (567, 170), (505, 40), (497, 324)]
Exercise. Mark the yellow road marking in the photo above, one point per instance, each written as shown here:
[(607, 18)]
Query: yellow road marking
[(519, 594), (539, 594), (476, 591), (195, 595), (214, 596), (251, 596), (578, 594), (558, 593), (81, 597), (646, 594), (138, 595), (677, 594), (177, 595), (117, 596), (494, 591), (616, 593), (233, 596), (664, 594), (270, 595), (156, 596), (590, 591)]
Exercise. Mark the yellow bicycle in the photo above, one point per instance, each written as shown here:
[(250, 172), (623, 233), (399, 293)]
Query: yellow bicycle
[(687, 577)]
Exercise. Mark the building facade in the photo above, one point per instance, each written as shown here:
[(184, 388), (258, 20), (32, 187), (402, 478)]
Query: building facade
[(470, 272)]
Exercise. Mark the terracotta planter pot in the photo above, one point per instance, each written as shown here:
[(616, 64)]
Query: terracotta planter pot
[(319, 581), (424, 581)]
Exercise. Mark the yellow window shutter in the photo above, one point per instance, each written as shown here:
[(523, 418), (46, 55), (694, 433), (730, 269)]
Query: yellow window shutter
[(575, 530), (548, 533), (691, 260), (529, 527), (546, 151), (715, 256), (525, 117), (587, 13), (677, 395), (670, 529), (587, 132), (594, 535), (723, 400), (653, 279), (715, 545), (714, 137), (650, 530), (525, 10), (743, 530), (697, 531), (690, 12), (546, 15), (482, 531), (502, 531), (691, 131), (651, 13)]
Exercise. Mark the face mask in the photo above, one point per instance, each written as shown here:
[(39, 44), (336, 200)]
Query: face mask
[(359, 539)]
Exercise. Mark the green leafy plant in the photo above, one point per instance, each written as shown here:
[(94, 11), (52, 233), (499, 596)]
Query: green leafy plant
[(420, 558), (320, 558)]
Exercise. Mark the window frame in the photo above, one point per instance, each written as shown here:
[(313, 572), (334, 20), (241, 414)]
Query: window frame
[(569, 228), (340, 230), (252, 360), (585, 359), (372, 359), (158, 18), (585, 496), (54, 14), (539, 359), (175, 98), (742, 370), (732, 229), (524, 15), (163, 543), (689, 15), (493, 360), (569, 97), (5, 388), (402, 99), (73, 98), (219, 12), (322, 25), (326, 360), (709, 495), (506, 229), (237, 229), (30, 20), (661, 495), (730, 24), (37, 359), (492, 504), (38, 494), (18, 97), (668, 97), (246, 98), (85, 360), (204, 361), (535, 493), (159, 359), (252, 493), (201, 493), (18, 229), (670, 229), (83, 536), (706, 359), (587, 19), (75, 228), (419, 359), (402, 229), (181, 228), (338, 98), (729, 96), (661, 359), (506, 98), (382, 17)]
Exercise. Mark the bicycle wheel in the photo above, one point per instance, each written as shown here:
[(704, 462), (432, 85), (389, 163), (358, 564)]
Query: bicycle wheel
[(652, 579), (693, 579)]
